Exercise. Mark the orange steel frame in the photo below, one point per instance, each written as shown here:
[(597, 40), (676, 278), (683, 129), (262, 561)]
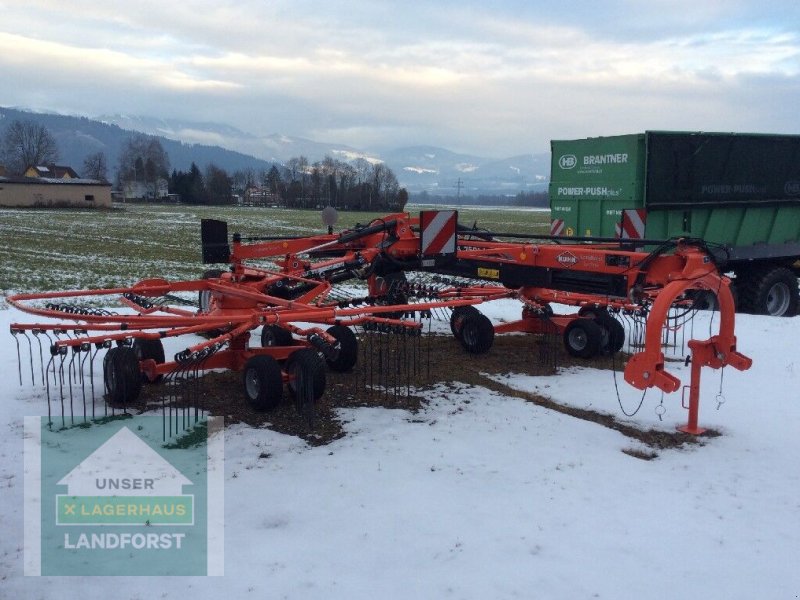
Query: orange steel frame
[(657, 281)]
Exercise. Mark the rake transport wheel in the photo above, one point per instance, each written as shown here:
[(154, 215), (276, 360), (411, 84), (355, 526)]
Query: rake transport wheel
[(272, 335), (306, 371), (583, 338), (121, 376), (262, 383), (347, 345), (476, 333), (457, 318), (152, 350), (612, 331)]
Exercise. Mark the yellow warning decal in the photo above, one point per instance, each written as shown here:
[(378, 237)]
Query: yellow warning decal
[(489, 273), (570, 231)]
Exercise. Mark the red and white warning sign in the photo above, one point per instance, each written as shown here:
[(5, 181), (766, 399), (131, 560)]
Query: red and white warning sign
[(632, 226), (438, 232), (557, 227)]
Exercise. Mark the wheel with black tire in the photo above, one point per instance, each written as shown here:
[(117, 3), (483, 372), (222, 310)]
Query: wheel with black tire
[(583, 338), (149, 350), (262, 383), (612, 332), (616, 335), (306, 371), (346, 346), (457, 318), (773, 292), (273, 335), (121, 376), (476, 333)]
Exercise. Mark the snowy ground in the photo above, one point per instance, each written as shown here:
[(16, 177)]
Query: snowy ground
[(485, 496)]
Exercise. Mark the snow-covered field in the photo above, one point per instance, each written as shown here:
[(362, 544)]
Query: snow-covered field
[(485, 496)]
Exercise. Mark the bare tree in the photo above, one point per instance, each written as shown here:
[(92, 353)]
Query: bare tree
[(94, 167), (143, 158), (27, 144)]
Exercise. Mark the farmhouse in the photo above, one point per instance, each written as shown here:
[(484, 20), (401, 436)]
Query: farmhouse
[(54, 192), (52, 172)]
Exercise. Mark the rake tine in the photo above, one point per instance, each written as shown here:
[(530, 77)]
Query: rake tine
[(61, 382), (428, 373), (70, 372), (86, 348), (36, 333), (15, 332), (47, 388), (30, 355), (91, 373)]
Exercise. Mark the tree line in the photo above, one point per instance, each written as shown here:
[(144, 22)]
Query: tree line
[(360, 185)]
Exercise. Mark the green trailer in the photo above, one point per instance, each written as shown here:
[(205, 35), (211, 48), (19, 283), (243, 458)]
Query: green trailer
[(741, 191)]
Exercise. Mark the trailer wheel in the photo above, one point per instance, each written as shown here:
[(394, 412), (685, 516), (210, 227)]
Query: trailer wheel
[(262, 383), (347, 346), (770, 293), (477, 333), (149, 350), (273, 335), (121, 376), (583, 338), (457, 318), (306, 372)]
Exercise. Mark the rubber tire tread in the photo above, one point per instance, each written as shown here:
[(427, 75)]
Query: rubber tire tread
[(310, 360), (754, 289), (281, 336), (348, 349), (122, 377), (270, 378), (594, 338), (458, 316), (477, 333)]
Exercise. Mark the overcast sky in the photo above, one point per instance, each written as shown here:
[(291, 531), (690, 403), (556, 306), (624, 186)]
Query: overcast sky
[(488, 78)]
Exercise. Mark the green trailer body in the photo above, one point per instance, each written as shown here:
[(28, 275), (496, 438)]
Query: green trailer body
[(738, 190)]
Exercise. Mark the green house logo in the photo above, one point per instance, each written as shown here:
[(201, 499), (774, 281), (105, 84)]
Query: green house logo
[(567, 161)]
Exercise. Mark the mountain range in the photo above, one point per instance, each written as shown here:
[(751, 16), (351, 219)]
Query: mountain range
[(434, 170)]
